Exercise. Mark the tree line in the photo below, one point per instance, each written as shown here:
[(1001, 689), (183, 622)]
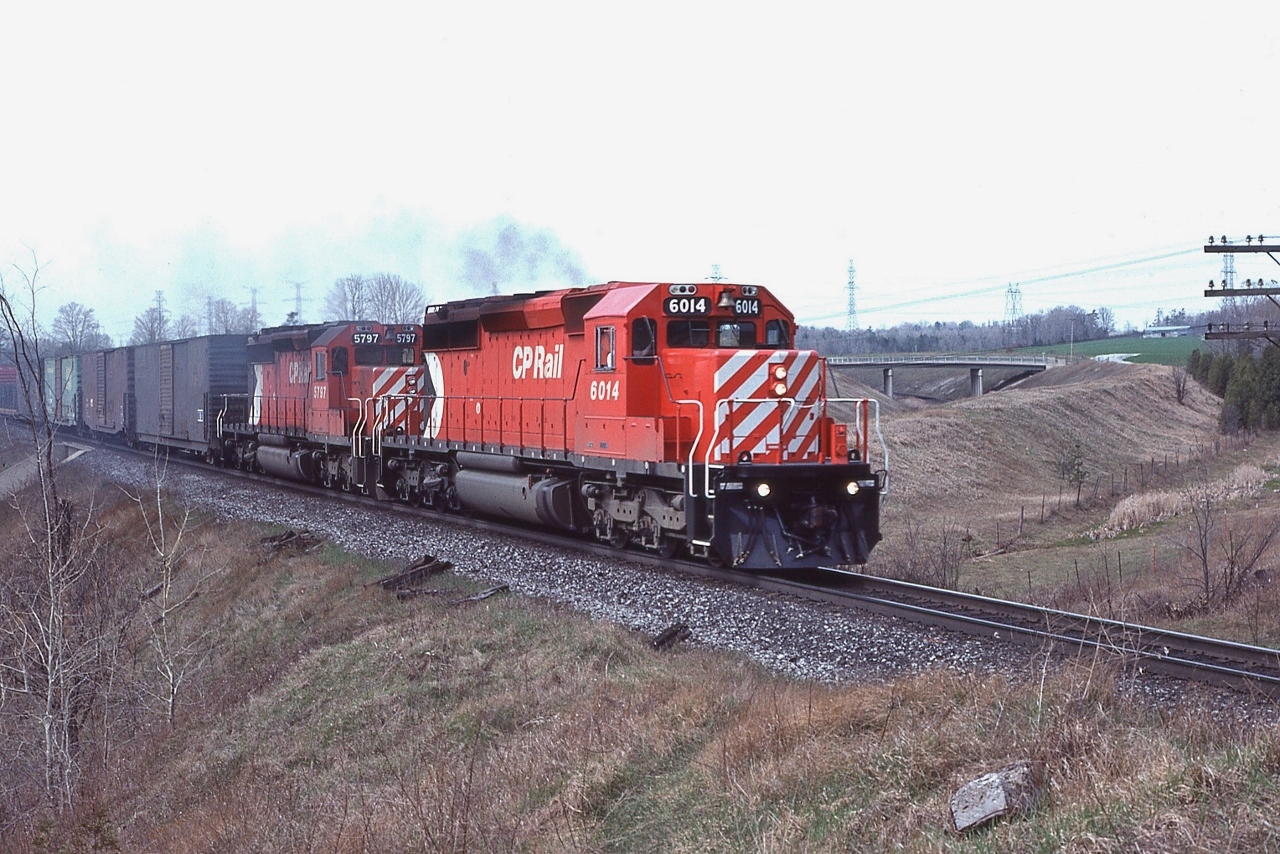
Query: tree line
[(382, 297), (1043, 329), (1249, 386)]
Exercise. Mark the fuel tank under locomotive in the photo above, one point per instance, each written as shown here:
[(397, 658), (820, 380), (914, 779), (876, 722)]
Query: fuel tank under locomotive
[(769, 516), (497, 485), (287, 463)]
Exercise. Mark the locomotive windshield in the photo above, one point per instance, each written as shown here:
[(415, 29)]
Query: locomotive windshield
[(736, 334), (368, 355), (729, 334), (373, 355)]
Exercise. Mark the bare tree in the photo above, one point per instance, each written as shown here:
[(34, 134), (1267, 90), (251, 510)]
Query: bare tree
[(179, 578), (932, 558), (1178, 378), (1200, 537), (227, 318), (55, 598), (1226, 555), (76, 330), (150, 327), (395, 300), (185, 326), (1070, 467), (348, 299)]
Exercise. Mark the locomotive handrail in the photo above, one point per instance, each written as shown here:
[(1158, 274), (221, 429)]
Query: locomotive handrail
[(793, 402), (693, 449), (379, 410), (879, 436), (356, 450), (707, 464), (226, 407)]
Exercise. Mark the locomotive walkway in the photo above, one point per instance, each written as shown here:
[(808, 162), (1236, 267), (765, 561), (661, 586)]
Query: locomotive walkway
[(974, 362)]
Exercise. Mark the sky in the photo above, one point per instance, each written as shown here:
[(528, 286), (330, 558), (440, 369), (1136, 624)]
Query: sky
[(1081, 151)]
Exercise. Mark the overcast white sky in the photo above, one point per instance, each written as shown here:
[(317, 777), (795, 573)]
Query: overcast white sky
[(946, 149)]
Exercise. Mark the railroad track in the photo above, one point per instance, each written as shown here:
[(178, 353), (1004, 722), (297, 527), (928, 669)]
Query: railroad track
[(1145, 648)]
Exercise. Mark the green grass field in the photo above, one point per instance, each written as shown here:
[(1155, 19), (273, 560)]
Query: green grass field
[(1158, 351)]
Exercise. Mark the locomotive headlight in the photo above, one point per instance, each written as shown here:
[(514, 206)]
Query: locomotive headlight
[(780, 389), (763, 489), (852, 487), (780, 372)]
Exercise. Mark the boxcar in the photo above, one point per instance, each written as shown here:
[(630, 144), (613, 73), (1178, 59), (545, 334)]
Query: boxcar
[(62, 390), (180, 387), (108, 403)]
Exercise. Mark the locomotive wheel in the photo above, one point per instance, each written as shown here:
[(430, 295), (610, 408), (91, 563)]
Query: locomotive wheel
[(619, 537), (669, 546), (715, 559)]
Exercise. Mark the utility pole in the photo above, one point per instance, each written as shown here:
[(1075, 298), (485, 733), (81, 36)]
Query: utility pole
[(1262, 288)]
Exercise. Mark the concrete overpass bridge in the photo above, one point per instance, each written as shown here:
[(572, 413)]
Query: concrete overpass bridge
[(973, 361)]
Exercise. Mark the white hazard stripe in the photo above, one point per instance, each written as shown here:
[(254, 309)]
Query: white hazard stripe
[(391, 390), (747, 374)]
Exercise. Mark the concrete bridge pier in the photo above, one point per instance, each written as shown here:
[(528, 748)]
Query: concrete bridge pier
[(888, 382), (975, 382)]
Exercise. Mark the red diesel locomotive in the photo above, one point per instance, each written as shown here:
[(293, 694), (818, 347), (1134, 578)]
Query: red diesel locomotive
[(674, 417)]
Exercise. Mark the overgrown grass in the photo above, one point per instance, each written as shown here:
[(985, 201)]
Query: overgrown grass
[(332, 717)]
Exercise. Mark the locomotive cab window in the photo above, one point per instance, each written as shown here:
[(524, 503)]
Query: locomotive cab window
[(644, 339), (339, 360), (319, 365), (688, 333), (736, 334), (777, 335), (368, 354), (400, 356), (604, 348)]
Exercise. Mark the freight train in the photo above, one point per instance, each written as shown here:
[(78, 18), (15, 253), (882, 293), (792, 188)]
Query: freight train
[(676, 418)]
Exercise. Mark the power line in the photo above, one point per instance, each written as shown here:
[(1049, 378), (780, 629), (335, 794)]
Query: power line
[(938, 297)]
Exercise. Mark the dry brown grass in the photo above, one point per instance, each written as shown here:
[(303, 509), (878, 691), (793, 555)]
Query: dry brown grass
[(987, 466), (1136, 511), (332, 718), (994, 454)]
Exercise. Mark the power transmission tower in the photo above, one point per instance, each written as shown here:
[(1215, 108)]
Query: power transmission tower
[(296, 315), (1012, 312), (851, 318), (715, 273)]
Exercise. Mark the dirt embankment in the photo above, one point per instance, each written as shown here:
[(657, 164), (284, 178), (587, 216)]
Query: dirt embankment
[(979, 458)]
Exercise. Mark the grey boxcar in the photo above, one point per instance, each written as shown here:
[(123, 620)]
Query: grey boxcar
[(180, 387)]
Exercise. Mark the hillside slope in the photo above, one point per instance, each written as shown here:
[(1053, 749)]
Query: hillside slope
[(983, 458)]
